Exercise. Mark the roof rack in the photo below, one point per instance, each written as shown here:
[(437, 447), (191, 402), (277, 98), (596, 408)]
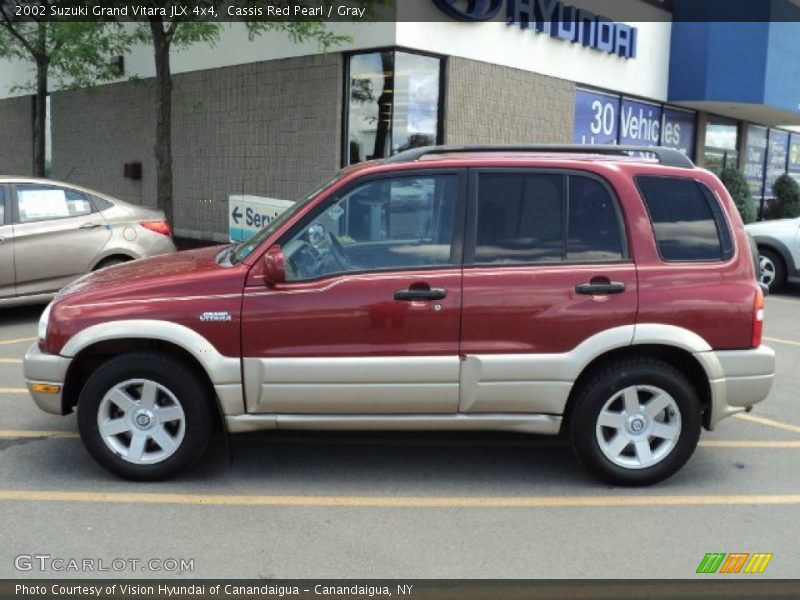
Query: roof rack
[(669, 157)]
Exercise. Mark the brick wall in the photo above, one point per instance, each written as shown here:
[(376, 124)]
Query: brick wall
[(488, 103), (16, 136), (267, 129)]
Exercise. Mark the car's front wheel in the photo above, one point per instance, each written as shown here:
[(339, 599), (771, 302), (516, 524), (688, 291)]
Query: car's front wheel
[(773, 271), (636, 422), (144, 416)]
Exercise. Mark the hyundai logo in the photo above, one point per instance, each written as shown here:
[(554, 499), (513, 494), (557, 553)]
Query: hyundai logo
[(470, 10)]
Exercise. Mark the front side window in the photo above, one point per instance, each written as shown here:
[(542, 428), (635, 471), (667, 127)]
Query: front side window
[(393, 101), (544, 218), (687, 220), (39, 203), (386, 224)]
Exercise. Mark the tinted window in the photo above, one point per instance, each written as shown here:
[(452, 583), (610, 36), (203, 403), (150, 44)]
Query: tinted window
[(520, 218), (593, 231), (399, 223), (686, 224), (38, 203)]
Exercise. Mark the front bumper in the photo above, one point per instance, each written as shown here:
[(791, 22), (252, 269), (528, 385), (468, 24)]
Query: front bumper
[(738, 379), (49, 370)]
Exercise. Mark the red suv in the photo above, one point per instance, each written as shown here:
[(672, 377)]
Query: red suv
[(531, 289)]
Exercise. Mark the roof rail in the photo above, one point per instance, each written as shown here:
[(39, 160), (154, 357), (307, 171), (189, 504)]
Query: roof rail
[(669, 157)]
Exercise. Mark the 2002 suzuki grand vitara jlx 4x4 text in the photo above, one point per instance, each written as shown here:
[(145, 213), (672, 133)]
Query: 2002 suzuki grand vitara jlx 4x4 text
[(528, 289)]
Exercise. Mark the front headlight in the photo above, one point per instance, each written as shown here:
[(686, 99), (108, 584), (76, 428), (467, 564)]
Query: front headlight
[(44, 321)]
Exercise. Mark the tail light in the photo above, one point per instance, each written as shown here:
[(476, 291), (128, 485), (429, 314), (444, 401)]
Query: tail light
[(161, 227), (758, 319)]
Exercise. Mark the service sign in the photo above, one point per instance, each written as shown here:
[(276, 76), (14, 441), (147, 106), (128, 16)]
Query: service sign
[(777, 151), (755, 157), (596, 118), (249, 214)]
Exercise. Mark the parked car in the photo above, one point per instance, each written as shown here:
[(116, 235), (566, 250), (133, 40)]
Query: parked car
[(539, 289), (52, 233), (778, 250)]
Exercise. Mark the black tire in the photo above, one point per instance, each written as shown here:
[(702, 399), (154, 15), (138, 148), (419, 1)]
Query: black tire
[(776, 260), (606, 384), (181, 381)]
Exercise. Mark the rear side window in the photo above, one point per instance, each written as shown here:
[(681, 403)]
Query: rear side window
[(542, 217), (687, 220), (39, 203)]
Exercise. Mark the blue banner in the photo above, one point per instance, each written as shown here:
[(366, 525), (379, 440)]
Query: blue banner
[(596, 118), (678, 130), (755, 156), (777, 152), (640, 123)]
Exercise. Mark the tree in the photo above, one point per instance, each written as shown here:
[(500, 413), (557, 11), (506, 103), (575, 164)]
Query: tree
[(167, 34), (786, 204), (74, 54), (736, 184)]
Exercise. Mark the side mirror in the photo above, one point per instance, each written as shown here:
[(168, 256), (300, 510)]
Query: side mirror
[(274, 266)]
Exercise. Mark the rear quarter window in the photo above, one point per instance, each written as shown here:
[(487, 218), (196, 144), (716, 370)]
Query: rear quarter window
[(688, 223)]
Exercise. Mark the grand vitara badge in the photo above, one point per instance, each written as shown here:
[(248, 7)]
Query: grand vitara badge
[(222, 315)]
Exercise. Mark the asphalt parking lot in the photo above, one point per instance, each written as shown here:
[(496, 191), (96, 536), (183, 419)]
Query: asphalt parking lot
[(401, 506)]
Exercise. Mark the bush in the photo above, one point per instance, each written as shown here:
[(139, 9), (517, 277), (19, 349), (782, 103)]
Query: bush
[(736, 184), (786, 204)]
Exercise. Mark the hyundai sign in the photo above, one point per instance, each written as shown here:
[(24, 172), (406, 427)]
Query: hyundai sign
[(551, 17)]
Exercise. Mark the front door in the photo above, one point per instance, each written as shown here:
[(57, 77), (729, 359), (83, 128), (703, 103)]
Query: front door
[(57, 237), (368, 320), (546, 268)]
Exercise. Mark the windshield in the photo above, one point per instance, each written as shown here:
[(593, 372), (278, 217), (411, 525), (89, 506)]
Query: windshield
[(245, 248)]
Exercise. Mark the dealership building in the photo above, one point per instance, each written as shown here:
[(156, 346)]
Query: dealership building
[(270, 118)]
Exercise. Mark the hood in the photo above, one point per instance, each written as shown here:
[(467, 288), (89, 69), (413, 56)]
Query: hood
[(192, 272), (773, 227)]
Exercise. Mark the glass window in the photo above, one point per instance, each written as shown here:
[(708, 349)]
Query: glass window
[(722, 141), (37, 203), (2, 205), (393, 104), (593, 227), (520, 218), (399, 223), (687, 220)]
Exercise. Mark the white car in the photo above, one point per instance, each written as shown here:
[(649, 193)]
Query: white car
[(778, 250)]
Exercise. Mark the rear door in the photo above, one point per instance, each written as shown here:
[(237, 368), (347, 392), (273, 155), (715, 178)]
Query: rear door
[(57, 237), (6, 245), (546, 267)]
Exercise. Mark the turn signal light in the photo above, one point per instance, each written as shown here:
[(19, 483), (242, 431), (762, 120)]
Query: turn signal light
[(758, 319), (161, 227), (45, 388)]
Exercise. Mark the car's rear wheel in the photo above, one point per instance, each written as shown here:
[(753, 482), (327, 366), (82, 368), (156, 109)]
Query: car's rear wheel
[(636, 422), (144, 416), (773, 270)]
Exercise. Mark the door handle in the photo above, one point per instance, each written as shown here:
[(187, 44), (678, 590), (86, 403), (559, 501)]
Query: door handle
[(90, 226), (597, 288), (420, 294)]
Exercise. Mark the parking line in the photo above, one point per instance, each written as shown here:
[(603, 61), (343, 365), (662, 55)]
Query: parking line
[(780, 341), (780, 299), (771, 444), (768, 422), (10, 361), (13, 391), (17, 341), (399, 501), (32, 433)]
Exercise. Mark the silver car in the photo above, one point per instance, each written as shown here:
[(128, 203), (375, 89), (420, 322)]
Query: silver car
[(52, 233), (778, 250)]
